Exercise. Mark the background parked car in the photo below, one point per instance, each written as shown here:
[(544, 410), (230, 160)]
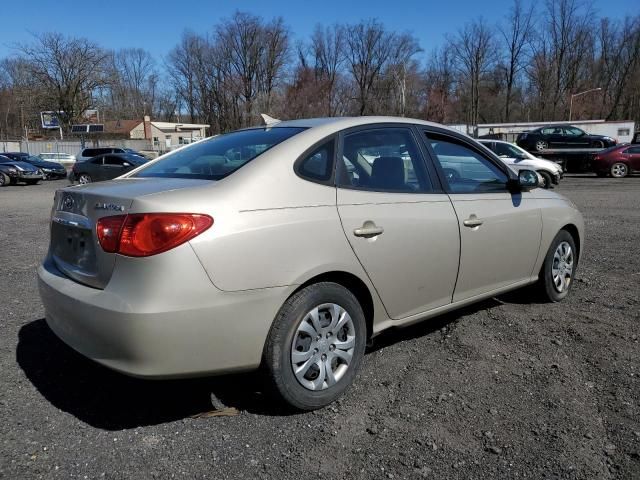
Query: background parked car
[(51, 170), (87, 153), (618, 161), (104, 167), (19, 172), (519, 158), (66, 159), (561, 136)]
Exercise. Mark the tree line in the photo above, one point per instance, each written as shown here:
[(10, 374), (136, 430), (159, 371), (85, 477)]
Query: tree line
[(525, 67)]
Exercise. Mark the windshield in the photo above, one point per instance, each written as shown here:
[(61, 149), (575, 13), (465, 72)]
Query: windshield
[(220, 156)]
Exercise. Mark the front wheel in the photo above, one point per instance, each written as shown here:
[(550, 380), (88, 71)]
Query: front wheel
[(315, 346), (559, 267), (547, 182), (619, 170)]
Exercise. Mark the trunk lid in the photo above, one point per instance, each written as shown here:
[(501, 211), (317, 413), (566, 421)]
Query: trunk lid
[(76, 210)]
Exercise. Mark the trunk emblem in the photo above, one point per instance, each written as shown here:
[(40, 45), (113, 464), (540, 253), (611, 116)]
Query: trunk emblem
[(108, 206), (67, 202)]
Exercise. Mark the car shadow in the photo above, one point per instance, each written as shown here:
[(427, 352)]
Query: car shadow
[(109, 400)]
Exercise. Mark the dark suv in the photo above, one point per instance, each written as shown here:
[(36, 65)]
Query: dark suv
[(561, 137)]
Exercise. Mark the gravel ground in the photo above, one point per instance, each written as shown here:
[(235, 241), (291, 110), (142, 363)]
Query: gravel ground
[(505, 389)]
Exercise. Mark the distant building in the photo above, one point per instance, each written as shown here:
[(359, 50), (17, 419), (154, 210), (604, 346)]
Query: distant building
[(162, 135)]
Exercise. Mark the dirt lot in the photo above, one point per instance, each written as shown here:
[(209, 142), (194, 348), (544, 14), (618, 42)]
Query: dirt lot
[(505, 389)]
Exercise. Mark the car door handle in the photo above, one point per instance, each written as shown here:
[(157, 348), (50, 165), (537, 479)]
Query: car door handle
[(368, 230), (472, 221)]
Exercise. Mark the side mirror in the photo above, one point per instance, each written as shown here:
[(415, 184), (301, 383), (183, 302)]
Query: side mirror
[(528, 179)]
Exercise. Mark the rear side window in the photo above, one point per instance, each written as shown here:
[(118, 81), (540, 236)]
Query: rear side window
[(220, 156), (97, 161), (318, 165)]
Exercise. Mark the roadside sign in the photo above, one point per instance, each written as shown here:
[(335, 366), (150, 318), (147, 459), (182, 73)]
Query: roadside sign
[(50, 120)]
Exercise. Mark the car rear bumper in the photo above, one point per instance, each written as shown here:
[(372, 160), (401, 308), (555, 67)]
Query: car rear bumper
[(225, 332)]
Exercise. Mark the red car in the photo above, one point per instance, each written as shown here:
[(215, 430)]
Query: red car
[(618, 161)]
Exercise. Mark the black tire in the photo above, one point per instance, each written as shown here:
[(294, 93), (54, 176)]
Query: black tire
[(619, 170), (547, 181), (546, 285), (598, 144), (277, 361), (541, 145), (4, 180), (84, 178)]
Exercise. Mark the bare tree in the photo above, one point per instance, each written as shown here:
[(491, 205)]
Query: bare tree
[(327, 48), (368, 47), (180, 63), (516, 35), (474, 53), (69, 70)]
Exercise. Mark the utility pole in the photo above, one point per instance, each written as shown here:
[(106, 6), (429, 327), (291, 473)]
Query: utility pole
[(577, 95)]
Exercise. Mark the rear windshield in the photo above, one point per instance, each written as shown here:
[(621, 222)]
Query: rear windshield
[(220, 156)]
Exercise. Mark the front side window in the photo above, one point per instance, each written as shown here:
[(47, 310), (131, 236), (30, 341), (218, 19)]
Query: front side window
[(465, 169), (507, 150), (113, 160), (218, 157), (385, 159), (573, 131), (633, 150), (318, 165)]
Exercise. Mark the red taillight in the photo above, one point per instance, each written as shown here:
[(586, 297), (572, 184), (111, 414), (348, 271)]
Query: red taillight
[(145, 234), (108, 230)]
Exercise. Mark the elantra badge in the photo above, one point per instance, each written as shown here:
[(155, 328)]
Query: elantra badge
[(109, 206)]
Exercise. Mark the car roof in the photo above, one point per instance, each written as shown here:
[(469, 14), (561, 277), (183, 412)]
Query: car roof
[(341, 123)]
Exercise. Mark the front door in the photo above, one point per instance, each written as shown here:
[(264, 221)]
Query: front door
[(633, 154), (401, 226), (499, 231)]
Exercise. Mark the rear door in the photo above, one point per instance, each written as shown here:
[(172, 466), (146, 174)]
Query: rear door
[(399, 222), (554, 137), (499, 231), (114, 166)]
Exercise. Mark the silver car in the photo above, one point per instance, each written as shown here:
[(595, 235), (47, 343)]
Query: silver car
[(289, 246)]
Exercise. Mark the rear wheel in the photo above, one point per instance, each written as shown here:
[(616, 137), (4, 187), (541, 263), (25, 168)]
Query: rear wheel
[(619, 170), (84, 178), (547, 181), (315, 346), (4, 180), (541, 145), (559, 267)]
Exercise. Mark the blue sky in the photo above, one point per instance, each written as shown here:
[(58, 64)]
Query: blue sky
[(157, 25)]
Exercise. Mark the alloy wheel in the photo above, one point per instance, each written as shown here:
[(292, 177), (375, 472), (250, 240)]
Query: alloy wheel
[(619, 170), (562, 267), (84, 179), (323, 346), (541, 145)]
